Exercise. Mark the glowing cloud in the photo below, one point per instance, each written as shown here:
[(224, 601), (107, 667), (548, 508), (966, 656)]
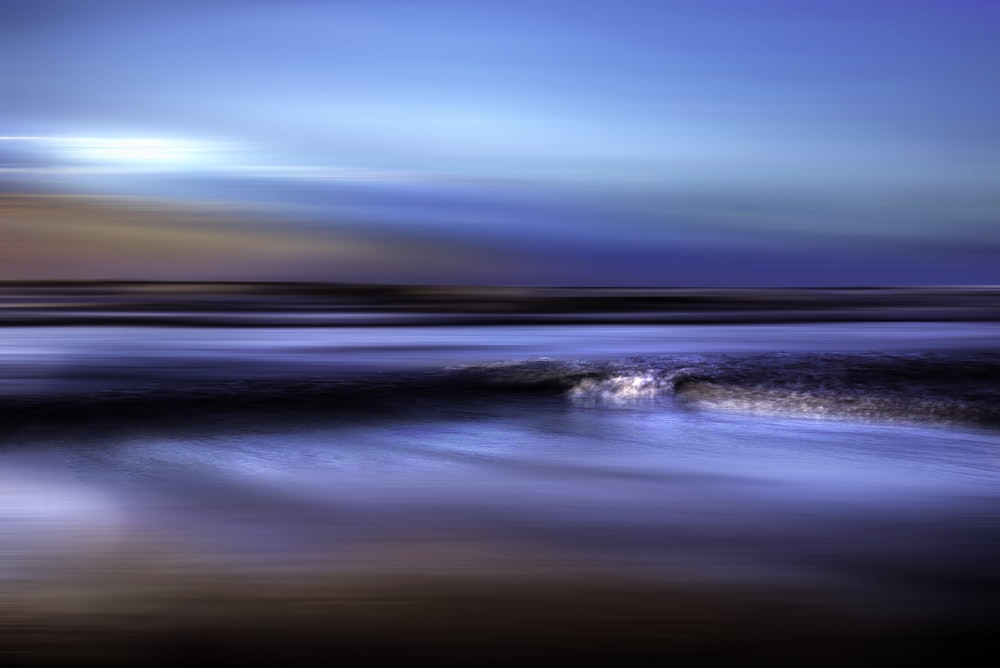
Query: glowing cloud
[(131, 153)]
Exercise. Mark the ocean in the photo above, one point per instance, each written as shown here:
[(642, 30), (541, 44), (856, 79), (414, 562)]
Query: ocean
[(764, 492)]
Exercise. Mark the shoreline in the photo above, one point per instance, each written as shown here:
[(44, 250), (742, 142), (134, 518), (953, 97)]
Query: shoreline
[(191, 304)]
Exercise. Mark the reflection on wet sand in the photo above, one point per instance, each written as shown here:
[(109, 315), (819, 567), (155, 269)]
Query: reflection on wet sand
[(529, 529)]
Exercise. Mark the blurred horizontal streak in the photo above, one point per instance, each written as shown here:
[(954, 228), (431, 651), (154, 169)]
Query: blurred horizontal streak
[(54, 237), (325, 304), (160, 611)]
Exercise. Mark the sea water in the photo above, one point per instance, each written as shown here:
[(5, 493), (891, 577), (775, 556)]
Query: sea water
[(885, 518), (72, 358)]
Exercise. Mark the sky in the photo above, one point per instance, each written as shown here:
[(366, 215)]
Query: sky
[(593, 142)]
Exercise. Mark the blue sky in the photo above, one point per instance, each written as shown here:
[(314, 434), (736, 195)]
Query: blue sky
[(737, 136)]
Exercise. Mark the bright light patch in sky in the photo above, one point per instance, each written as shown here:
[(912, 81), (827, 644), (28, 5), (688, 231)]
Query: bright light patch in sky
[(109, 155), (140, 150), (131, 153)]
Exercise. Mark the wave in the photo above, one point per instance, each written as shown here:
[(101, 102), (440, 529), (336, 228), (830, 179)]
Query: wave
[(928, 387), (910, 387), (916, 387)]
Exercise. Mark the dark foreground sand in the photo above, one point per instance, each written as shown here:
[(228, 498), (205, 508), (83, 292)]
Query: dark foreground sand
[(146, 610)]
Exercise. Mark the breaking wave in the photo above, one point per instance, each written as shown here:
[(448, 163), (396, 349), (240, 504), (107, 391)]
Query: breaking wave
[(893, 387), (929, 387)]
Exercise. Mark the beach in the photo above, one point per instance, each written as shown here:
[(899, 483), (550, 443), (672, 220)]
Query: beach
[(769, 493)]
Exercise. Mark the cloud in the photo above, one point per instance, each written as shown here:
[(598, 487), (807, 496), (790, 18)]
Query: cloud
[(73, 237)]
